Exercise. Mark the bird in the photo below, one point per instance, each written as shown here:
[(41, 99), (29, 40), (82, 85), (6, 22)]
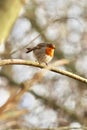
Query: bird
[(43, 52)]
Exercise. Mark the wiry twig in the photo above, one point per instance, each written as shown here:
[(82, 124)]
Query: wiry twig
[(41, 31), (53, 69)]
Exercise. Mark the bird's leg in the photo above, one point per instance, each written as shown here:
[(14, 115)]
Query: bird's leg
[(46, 64)]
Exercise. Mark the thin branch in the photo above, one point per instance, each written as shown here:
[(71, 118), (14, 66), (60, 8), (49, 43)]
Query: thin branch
[(25, 86), (12, 114), (35, 64)]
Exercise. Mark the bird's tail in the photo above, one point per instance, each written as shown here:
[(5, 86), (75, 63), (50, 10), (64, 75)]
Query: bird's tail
[(30, 49)]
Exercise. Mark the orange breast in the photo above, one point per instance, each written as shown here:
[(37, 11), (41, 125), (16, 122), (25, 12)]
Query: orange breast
[(50, 51)]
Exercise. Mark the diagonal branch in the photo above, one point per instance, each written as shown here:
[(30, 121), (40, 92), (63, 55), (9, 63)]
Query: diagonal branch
[(35, 64)]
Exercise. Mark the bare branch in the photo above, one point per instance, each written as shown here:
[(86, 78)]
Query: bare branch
[(35, 64)]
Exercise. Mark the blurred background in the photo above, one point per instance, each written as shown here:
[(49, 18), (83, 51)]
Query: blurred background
[(55, 100)]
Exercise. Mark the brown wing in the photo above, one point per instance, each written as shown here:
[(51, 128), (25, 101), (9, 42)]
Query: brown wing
[(36, 47)]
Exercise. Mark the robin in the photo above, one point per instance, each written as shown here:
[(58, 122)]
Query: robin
[(43, 52)]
